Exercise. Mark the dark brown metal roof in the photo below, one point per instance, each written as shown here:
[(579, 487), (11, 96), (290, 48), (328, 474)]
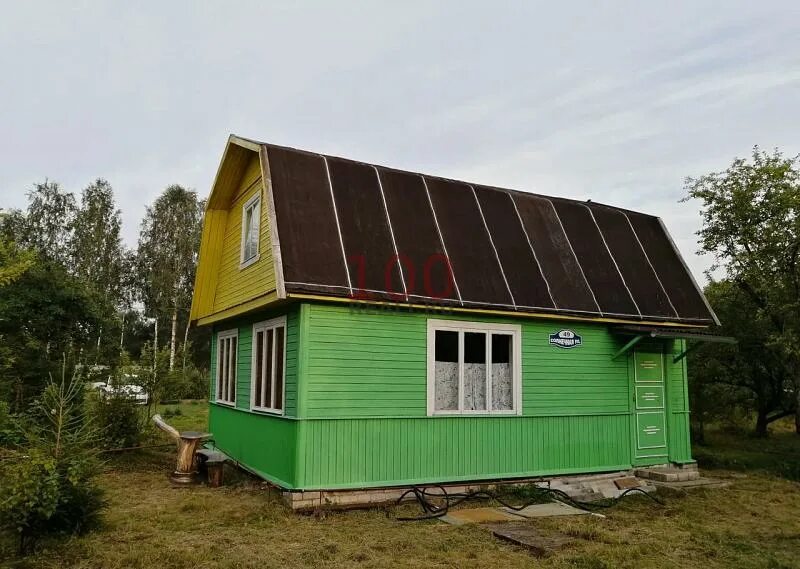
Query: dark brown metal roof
[(348, 228)]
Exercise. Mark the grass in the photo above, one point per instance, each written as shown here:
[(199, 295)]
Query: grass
[(753, 523)]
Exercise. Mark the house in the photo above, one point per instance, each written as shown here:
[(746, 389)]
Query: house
[(374, 327)]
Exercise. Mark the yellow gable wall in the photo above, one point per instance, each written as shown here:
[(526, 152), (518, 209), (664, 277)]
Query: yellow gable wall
[(235, 285)]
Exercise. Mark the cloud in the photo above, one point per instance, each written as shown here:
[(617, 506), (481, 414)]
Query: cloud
[(615, 102)]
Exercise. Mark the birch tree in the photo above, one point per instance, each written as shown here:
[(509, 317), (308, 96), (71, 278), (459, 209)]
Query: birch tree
[(97, 254), (167, 256)]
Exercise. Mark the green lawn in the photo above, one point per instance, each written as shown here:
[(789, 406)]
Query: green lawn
[(752, 523)]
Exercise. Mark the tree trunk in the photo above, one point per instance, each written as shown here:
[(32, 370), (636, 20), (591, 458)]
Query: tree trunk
[(797, 410), (185, 341), (97, 355), (172, 338), (155, 343), (122, 333), (761, 424)]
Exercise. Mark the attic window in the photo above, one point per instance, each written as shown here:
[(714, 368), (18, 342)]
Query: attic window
[(473, 368), (251, 217)]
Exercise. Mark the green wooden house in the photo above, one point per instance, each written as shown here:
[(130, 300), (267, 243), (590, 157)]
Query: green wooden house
[(375, 327)]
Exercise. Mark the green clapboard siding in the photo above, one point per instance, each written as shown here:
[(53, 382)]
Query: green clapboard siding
[(367, 363), (351, 453), (356, 413), (244, 325), (264, 444)]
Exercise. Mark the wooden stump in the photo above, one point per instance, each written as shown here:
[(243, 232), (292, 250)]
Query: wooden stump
[(188, 442)]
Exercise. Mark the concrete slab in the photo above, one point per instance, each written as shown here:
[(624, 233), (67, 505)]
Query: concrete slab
[(547, 510), (692, 484), (627, 482), (478, 516), (540, 543)]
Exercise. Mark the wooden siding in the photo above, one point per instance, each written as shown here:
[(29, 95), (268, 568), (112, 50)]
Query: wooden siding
[(678, 430), (244, 358), (234, 285), (356, 405), (386, 452), (264, 444), (372, 362)]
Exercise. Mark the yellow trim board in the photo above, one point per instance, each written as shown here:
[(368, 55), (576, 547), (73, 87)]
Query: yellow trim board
[(254, 304), (506, 313)]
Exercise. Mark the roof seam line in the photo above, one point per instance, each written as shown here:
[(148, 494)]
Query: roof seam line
[(391, 232), (613, 260), (441, 239), (686, 268), (571, 248), (491, 242), (533, 251), (338, 226), (649, 262)]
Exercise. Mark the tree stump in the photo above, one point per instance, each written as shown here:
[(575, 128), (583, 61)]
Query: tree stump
[(188, 443)]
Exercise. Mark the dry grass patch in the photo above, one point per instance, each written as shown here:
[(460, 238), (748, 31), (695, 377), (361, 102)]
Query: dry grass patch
[(752, 524)]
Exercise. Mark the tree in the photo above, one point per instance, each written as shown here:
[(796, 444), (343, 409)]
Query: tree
[(47, 225), (49, 479), (167, 256), (750, 375), (96, 246), (43, 312), (14, 262), (752, 228)]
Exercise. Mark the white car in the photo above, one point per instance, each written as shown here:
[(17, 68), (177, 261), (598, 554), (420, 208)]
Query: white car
[(135, 392)]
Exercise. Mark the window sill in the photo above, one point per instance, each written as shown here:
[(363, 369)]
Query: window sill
[(512, 413), (245, 264), (225, 403), (263, 411)]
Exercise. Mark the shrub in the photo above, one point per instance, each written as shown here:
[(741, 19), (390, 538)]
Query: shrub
[(171, 412), (48, 480), (119, 421)]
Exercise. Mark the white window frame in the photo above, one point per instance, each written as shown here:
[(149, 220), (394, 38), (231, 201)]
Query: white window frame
[(263, 327), (253, 202), (514, 330), (221, 336)]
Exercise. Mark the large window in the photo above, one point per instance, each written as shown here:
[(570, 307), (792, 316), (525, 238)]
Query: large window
[(226, 366), (473, 368), (251, 221), (268, 370)]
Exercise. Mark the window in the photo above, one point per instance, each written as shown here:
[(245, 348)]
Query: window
[(473, 368), (251, 221), (226, 366), (268, 370)]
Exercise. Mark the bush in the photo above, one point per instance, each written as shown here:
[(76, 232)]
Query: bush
[(119, 421), (48, 480), (8, 435), (48, 495), (171, 412)]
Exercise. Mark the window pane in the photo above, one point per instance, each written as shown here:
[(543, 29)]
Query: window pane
[(446, 371), (502, 383), (251, 229), (220, 366), (232, 372), (279, 368), (268, 374), (258, 341), (475, 371)]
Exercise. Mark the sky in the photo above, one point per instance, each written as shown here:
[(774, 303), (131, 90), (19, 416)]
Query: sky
[(617, 102)]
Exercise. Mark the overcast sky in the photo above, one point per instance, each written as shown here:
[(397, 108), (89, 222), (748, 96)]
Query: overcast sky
[(616, 102)]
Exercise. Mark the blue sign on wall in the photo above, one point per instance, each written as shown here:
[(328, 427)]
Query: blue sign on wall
[(565, 339)]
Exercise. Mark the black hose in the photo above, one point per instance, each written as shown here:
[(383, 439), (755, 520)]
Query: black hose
[(433, 511)]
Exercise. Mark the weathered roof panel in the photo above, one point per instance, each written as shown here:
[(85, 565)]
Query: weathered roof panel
[(345, 226)]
